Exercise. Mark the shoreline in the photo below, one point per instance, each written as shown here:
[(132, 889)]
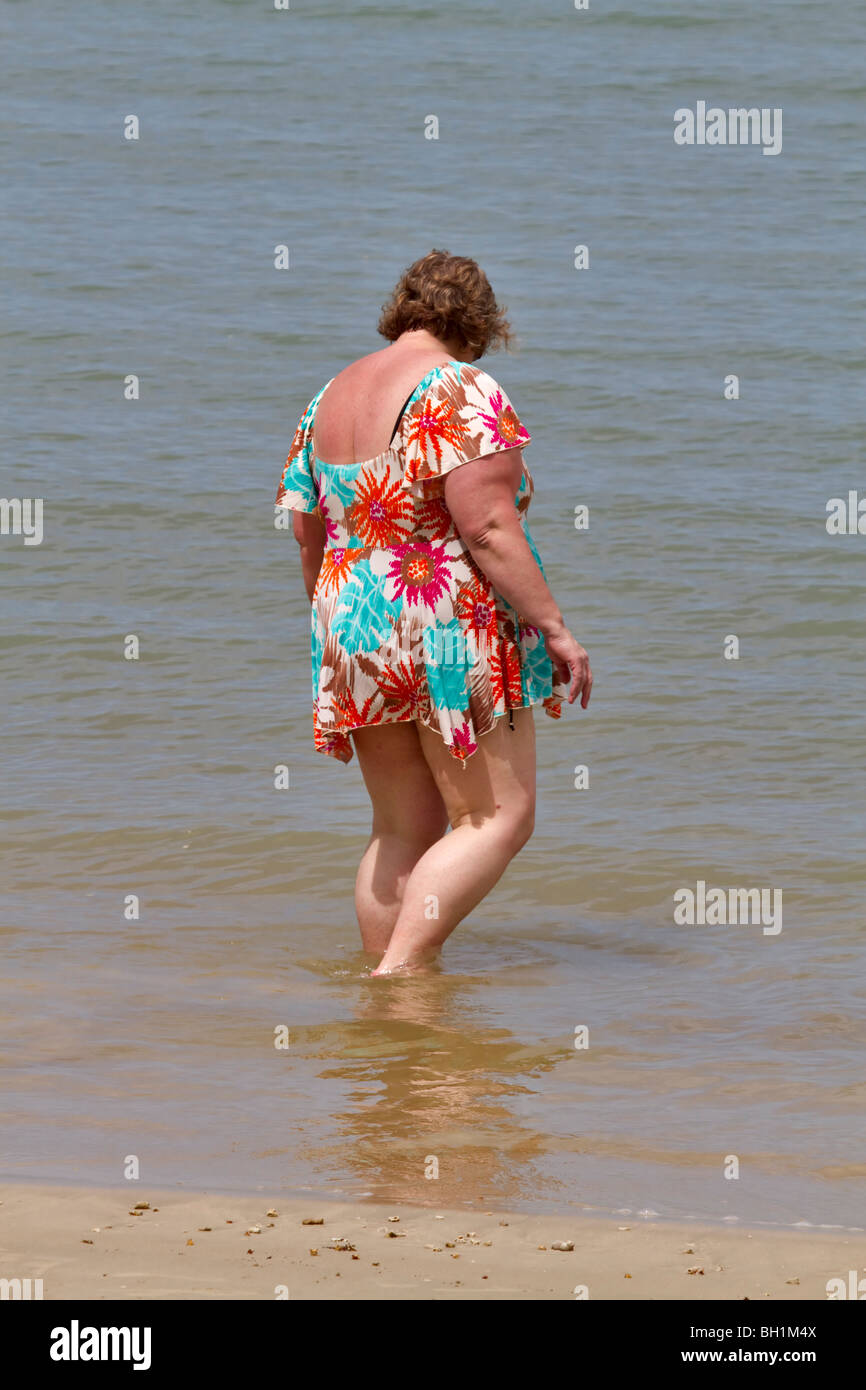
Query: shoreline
[(93, 1244), (292, 1196)]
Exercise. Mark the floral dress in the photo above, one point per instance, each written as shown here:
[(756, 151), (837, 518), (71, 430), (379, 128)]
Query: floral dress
[(405, 625)]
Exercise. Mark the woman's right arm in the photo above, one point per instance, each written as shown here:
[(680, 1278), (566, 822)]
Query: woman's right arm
[(480, 497)]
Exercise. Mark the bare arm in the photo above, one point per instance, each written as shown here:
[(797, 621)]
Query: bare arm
[(310, 534), (480, 497)]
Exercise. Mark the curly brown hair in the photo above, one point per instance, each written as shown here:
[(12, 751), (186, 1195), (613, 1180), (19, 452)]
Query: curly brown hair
[(451, 297)]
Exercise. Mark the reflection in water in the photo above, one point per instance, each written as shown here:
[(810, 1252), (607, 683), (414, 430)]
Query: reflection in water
[(428, 1092)]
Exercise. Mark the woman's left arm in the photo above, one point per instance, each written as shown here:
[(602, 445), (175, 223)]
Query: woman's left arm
[(310, 534)]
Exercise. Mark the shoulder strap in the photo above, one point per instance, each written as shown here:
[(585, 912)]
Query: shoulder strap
[(400, 416)]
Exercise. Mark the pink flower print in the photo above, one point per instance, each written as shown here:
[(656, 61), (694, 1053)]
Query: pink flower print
[(462, 742), (419, 573), (502, 422), (331, 528)]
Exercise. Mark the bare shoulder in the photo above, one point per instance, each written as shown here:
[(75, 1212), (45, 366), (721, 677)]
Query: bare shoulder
[(360, 367), (356, 416), (380, 380), (386, 369)]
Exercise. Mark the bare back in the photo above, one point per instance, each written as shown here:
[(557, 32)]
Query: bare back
[(356, 415)]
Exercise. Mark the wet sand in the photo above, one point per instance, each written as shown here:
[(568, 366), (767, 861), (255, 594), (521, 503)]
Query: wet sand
[(88, 1244)]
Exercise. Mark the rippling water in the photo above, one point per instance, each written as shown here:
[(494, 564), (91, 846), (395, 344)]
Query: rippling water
[(155, 778)]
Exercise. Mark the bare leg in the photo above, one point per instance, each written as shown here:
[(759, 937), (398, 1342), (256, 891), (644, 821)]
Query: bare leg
[(408, 817), (491, 806)]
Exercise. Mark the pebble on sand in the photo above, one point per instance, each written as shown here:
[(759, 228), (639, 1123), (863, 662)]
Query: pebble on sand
[(562, 1245)]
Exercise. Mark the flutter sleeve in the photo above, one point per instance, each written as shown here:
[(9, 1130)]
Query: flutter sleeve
[(297, 490), (460, 414)]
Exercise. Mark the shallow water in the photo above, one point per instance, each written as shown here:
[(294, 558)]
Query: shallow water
[(156, 1037)]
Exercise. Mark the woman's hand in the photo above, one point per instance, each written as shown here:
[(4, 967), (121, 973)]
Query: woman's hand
[(570, 663)]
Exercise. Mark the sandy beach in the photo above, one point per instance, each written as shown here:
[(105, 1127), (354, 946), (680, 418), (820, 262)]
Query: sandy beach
[(103, 1244)]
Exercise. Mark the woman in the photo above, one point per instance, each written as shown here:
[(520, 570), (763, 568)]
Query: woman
[(433, 629)]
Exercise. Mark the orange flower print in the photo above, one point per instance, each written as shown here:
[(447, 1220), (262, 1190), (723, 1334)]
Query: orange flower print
[(336, 564), (511, 671), (370, 714), (346, 713), (334, 741), (381, 514), (435, 522), (506, 663), (476, 610), (433, 425), (502, 422), (401, 688)]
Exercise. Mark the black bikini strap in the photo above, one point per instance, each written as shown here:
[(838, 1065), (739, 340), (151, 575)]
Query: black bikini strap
[(400, 416)]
